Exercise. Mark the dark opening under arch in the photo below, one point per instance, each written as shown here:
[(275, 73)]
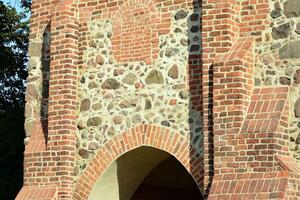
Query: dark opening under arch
[(146, 173)]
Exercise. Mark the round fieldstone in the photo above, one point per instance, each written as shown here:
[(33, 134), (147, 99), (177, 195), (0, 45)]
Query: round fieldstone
[(297, 108), (93, 146), (184, 94), (297, 76), (173, 72), (281, 31), (95, 121), (181, 15), (118, 119), (110, 84), (292, 8), (93, 44), (184, 42), (83, 153), (92, 85), (130, 79), (136, 119), (165, 123), (169, 52), (284, 81), (290, 50), (298, 28), (275, 14), (80, 125), (195, 29), (97, 106), (155, 77), (194, 17), (99, 59), (85, 105), (148, 104)]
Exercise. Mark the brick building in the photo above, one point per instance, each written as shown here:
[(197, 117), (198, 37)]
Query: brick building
[(163, 99)]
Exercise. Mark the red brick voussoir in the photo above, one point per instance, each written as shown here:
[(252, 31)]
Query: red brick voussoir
[(143, 135)]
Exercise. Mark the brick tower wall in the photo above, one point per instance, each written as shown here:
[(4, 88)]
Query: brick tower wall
[(198, 79)]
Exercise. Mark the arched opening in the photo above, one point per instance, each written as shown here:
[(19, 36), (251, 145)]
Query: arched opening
[(145, 173)]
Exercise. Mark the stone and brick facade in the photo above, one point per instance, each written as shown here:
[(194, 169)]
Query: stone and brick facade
[(212, 82)]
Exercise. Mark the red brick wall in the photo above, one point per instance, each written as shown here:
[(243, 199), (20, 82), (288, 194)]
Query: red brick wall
[(244, 128)]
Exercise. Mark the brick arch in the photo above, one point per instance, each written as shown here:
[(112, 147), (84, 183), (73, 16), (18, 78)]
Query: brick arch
[(143, 135)]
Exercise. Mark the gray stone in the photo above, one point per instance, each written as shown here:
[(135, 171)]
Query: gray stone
[(130, 79), (97, 106), (148, 104), (118, 72), (184, 42), (297, 108), (275, 46), (110, 84), (35, 49), (92, 85), (118, 119), (275, 14), (165, 123), (292, 8), (257, 82), (155, 77), (95, 121), (80, 125), (169, 52), (181, 15), (173, 72), (194, 17), (85, 105), (298, 28), (184, 94), (93, 44), (290, 50), (136, 119), (284, 81), (124, 104), (83, 153), (195, 29), (298, 139), (297, 76), (99, 59), (281, 31), (93, 146)]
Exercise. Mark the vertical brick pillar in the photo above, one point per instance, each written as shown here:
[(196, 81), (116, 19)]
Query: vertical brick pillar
[(220, 29), (62, 96)]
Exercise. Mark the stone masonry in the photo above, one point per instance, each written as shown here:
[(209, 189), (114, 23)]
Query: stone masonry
[(214, 83)]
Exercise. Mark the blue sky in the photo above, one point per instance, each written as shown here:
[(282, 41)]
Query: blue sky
[(14, 3)]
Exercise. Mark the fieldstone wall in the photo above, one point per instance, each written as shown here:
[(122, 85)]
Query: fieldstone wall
[(118, 96), (278, 60), (36, 109)]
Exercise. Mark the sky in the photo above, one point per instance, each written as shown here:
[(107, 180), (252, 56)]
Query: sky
[(14, 3)]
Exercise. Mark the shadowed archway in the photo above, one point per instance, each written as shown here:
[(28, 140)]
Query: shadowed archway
[(145, 173)]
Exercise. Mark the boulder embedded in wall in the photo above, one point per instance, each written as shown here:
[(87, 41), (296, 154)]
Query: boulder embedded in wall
[(93, 146), (297, 108), (83, 153), (99, 60), (297, 76), (290, 50), (275, 14), (85, 105), (181, 15), (110, 84), (173, 72), (35, 49), (285, 81), (281, 31), (95, 121), (130, 79), (155, 77), (298, 28), (292, 8)]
